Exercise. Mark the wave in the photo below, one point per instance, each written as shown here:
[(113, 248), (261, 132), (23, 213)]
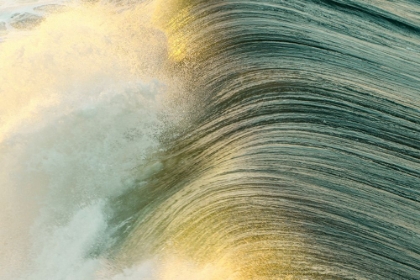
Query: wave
[(303, 157), (288, 146)]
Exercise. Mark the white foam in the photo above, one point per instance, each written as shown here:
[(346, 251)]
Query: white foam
[(144, 271), (62, 252), (79, 102)]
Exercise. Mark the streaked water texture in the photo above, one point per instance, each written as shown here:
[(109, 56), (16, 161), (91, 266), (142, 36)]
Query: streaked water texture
[(281, 140)]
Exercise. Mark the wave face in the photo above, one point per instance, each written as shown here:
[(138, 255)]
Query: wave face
[(303, 161), (290, 148)]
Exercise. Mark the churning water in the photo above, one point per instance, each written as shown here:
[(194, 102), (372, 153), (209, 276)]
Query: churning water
[(223, 139)]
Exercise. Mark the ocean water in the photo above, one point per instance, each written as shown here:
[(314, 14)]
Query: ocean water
[(207, 140)]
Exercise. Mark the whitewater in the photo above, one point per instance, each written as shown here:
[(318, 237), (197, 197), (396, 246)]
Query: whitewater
[(225, 139), (81, 107)]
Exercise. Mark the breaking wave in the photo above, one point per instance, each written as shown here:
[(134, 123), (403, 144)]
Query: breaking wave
[(217, 139)]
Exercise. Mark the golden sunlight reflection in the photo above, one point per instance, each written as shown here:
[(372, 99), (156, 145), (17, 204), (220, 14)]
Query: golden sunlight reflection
[(180, 269), (164, 17)]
